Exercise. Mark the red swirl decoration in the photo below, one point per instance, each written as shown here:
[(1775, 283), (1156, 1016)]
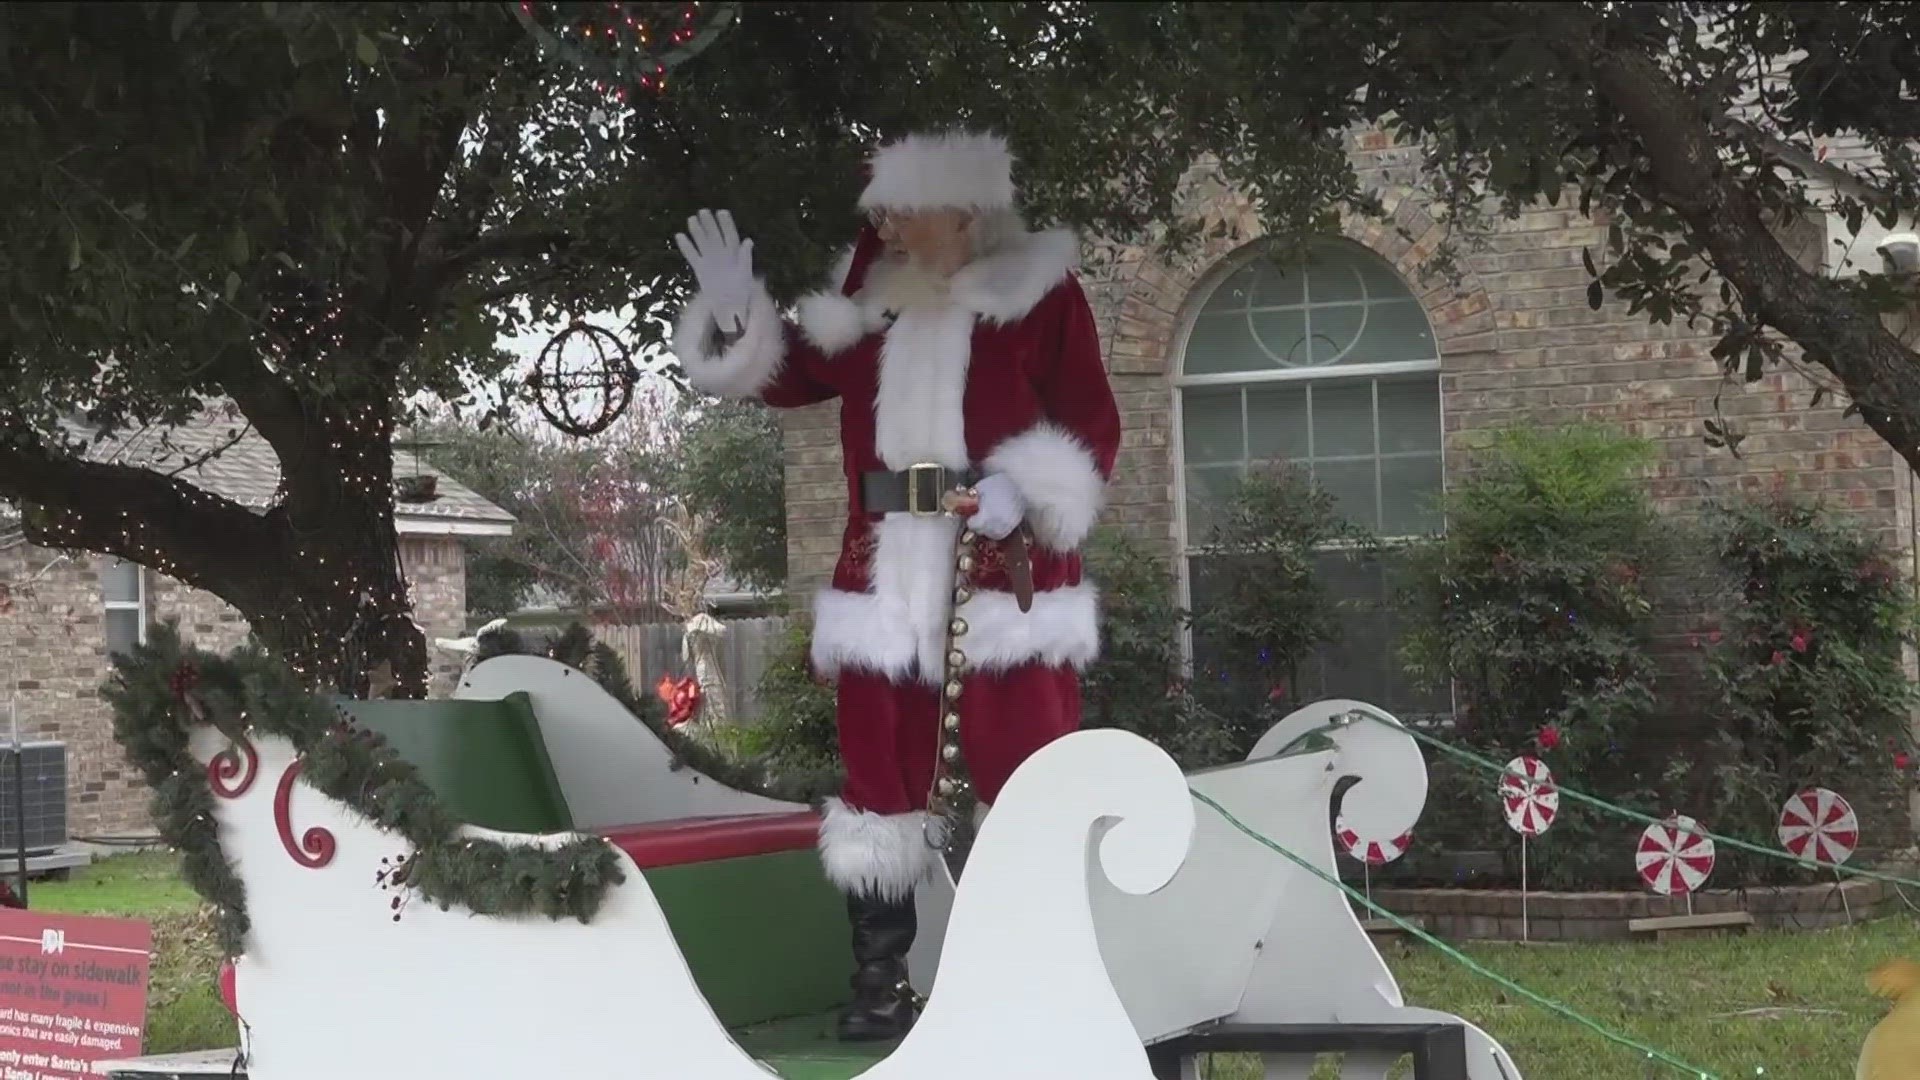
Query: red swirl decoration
[(231, 772), (316, 845)]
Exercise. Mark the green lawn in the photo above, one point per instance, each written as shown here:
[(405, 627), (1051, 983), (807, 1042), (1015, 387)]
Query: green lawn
[(1794, 1004)]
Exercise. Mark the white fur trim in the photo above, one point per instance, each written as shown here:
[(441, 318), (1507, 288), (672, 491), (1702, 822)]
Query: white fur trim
[(1062, 630), (958, 170), (898, 627), (1006, 285), (831, 322), (1056, 473), (923, 383), (865, 853), (743, 370)]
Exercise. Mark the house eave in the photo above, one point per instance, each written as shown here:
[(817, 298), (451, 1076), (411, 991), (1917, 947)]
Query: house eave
[(439, 526)]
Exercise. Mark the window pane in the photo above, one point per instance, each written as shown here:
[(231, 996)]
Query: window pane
[(1409, 493), (1220, 343), (1283, 334), (1277, 422), (1208, 488), (1410, 415), (1210, 425), (122, 630), (1382, 280), (1334, 331), (1333, 278), (120, 582), (1395, 332), (1342, 418), (1276, 287), (1235, 293), (1352, 485)]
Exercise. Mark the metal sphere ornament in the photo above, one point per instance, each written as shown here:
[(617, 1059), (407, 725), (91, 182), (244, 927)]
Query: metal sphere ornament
[(625, 46), (583, 380)]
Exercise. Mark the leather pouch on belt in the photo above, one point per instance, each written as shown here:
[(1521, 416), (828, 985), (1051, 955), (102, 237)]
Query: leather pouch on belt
[(1019, 567)]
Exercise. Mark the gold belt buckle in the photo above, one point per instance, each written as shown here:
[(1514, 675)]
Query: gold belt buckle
[(914, 506)]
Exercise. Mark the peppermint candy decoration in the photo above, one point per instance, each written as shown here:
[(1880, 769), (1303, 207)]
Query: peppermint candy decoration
[(1371, 852), (1527, 796), (1674, 859), (1819, 826)]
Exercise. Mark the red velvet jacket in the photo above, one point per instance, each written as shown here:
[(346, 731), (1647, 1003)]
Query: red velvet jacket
[(1001, 373)]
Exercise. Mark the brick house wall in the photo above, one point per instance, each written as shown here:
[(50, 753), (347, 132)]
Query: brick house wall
[(53, 657)]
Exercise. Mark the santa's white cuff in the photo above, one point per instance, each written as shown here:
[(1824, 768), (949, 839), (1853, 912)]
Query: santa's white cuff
[(1057, 475), (869, 854), (744, 368)]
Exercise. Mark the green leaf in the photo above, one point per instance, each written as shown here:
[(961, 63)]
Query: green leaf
[(233, 284), (369, 52), (182, 16), (237, 247), (1819, 395), (1595, 295), (73, 252), (185, 246), (1586, 259)]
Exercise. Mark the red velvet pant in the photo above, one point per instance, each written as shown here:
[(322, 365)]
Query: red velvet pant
[(890, 732)]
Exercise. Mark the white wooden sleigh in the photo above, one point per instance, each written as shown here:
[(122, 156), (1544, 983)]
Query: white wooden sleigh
[(1102, 911)]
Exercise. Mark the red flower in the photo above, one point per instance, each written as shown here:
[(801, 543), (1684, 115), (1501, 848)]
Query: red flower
[(1713, 635), (1901, 761), (1778, 658), (1802, 637), (1548, 738), (1279, 691)]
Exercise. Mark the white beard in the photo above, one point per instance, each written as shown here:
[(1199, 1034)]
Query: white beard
[(898, 284)]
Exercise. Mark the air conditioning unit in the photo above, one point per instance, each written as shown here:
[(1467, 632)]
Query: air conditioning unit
[(45, 772)]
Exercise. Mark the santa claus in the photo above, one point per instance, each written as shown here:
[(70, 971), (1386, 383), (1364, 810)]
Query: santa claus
[(978, 432)]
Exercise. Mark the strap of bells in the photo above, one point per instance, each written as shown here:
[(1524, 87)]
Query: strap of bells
[(943, 811)]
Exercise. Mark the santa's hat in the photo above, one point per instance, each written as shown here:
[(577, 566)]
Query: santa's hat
[(950, 171), (958, 170)]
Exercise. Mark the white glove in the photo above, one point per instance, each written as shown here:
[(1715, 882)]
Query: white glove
[(722, 264), (1001, 507)]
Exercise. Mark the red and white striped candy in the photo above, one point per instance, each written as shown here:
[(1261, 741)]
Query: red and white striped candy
[(1371, 852), (1819, 826), (1674, 859), (1528, 797)]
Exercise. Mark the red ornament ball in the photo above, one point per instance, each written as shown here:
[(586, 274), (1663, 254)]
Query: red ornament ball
[(1901, 761), (1548, 738)]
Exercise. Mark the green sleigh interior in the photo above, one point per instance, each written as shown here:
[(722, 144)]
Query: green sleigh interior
[(763, 931)]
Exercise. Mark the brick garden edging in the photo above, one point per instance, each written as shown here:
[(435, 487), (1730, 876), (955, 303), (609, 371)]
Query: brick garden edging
[(1494, 914)]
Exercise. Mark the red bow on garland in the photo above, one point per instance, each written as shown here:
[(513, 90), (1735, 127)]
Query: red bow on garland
[(682, 697)]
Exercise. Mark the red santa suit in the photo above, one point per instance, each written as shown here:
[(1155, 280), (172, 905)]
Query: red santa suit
[(998, 373)]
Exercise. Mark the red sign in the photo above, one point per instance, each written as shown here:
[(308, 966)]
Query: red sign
[(73, 991)]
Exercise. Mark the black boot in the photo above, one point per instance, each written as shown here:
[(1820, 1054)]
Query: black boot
[(884, 1004)]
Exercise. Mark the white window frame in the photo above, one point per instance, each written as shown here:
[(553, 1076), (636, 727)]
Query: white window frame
[(138, 605), (1232, 264)]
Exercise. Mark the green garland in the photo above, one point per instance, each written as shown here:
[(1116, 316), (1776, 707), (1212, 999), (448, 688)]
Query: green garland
[(248, 690)]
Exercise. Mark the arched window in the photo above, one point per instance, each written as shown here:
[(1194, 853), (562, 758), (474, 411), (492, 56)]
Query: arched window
[(1330, 365)]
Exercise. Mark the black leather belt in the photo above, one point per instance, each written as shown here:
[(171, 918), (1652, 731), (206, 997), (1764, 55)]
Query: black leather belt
[(914, 490)]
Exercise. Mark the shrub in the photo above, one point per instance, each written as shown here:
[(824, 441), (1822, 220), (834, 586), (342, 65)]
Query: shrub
[(1136, 684), (794, 735), (1261, 607), (1806, 678), (1533, 607)]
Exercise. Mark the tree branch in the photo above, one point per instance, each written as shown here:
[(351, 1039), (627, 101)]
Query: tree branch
[(1879, 373), (161, 522)]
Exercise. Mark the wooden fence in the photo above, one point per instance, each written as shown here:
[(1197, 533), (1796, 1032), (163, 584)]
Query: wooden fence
[(653, 649)]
